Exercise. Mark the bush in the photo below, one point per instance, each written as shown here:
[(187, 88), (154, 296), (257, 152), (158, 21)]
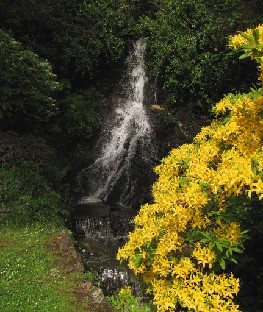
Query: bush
[(184, 241), (126, 302), (27, 87), (31, 179), (80, 114), (15, 149), (187, 50), (28, 197), (78, 38)]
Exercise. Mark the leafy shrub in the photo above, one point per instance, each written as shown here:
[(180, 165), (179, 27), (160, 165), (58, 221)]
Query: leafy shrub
[(79, 38), (31, 180), (183, 242), (187, 50), (16, 149), (26, 194), (80, 114), (27, 86)]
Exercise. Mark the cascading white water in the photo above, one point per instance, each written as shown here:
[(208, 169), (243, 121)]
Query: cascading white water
[(126, 135), (96, 227), (125, 157)]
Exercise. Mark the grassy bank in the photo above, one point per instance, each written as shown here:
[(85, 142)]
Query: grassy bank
[(40, 271)]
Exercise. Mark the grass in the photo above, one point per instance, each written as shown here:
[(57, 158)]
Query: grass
[(32, 277)]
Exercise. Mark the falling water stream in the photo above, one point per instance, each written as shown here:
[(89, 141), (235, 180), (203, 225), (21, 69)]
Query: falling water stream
[(125, 147), (126, 140)]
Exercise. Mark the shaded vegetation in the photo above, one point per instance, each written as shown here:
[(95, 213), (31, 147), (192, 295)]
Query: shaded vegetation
[(187, 49), (27, 87), (59, 60)]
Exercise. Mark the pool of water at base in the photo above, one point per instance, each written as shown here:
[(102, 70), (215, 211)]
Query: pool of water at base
[(100, 230)]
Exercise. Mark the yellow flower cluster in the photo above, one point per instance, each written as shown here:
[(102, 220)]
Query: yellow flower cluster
[(230, 231), (195, 183), (204, 255), (239, 40), (200, 292), (125, 291), (246, 41)]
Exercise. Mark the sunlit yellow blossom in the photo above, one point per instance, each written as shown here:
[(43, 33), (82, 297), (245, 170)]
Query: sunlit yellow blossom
[(238, 40), (204, 255), (184, 268), (176, 241)]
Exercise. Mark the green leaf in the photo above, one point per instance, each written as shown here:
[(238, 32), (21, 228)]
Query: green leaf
[(249, 46), (246, 36), (233, 260), (244, 56), (236, 249), (211, 244), (256, 35), (219, 247), (137, 260), (244, 232), (229, 252), (222, 263)]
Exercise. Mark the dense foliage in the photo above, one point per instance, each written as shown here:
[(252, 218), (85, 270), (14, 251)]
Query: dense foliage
[(187, 49), (186, 41), (32, 100), (31, 180), (206, 190), (59, 59), (75, 36), (27, 86), (79, 117), (81, 41)]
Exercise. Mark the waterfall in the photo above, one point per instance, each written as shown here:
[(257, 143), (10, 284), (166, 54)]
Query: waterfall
[(120, 175), (125, 148)]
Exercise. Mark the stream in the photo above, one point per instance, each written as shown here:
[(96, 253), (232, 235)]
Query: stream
[(101, 230)]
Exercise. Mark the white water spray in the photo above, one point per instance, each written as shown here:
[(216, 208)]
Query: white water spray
[(129, 134)]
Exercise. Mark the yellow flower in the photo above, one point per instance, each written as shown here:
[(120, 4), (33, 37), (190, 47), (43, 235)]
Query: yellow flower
[(230, 231), (204, 255), (225, 160)]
